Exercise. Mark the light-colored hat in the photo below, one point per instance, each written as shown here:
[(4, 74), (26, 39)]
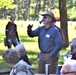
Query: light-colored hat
[(49, 13)]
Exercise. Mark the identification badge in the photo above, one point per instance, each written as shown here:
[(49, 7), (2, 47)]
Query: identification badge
[(47, 35)]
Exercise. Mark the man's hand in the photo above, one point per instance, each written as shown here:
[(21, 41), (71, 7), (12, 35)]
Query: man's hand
[(29, 30), (29, 26)]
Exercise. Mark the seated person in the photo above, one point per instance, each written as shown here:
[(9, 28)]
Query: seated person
[(69, 66), (18, 61)]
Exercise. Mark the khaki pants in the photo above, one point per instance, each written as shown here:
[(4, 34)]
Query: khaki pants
[(45, 58)]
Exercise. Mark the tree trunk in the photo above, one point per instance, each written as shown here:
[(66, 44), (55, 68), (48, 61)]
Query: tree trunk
[(43, 5), (27, 7), (63, 20)]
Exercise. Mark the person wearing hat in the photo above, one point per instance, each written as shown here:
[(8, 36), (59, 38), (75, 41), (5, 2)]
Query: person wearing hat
[(49, 41)]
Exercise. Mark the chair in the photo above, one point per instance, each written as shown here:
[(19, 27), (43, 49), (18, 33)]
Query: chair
[(4, 72)]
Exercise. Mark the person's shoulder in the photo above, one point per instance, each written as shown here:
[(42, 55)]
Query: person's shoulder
[(14, 24), (73, 61), (70, 61), (26, 64), (20, 67), (41, 27), (23, 63), (23, 66), (55, 28), (8, 23)]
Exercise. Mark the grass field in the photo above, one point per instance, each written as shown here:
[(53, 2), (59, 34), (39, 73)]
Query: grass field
[(31, 44)]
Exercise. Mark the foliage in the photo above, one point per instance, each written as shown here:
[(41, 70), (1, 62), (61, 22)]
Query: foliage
[(35, 7), (56, 12), (71, 3), (7, 4), (32, 8), (72, 14)]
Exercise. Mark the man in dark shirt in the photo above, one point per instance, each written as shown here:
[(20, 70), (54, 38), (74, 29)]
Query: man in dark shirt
[(50, 42), (11, 33)]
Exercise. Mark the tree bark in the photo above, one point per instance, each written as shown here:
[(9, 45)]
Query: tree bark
[(63, 21)]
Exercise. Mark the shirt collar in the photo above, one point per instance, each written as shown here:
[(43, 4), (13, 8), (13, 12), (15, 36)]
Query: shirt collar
[(48, 27)]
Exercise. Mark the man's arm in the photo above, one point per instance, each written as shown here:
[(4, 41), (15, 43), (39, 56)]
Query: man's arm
[(7, 30), (58, 42), (17, 34)]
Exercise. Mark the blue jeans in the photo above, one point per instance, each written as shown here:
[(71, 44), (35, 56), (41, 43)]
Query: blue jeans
[(13, 42)]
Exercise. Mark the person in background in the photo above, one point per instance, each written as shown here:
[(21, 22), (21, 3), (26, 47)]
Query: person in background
[(49, 41), (18, 60), (69, 66), (11, 33)]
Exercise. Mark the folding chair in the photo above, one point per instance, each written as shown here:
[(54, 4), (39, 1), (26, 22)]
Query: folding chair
[(4, 72)]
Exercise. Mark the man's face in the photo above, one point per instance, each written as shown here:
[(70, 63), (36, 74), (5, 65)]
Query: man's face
[(12, 20), (47, 19)]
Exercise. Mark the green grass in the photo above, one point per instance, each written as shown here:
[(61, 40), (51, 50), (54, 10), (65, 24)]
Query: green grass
[(31, 44)]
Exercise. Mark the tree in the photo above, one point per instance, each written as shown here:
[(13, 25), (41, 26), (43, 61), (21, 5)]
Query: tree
[(4, 6), (63, 20), (7, 3)]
